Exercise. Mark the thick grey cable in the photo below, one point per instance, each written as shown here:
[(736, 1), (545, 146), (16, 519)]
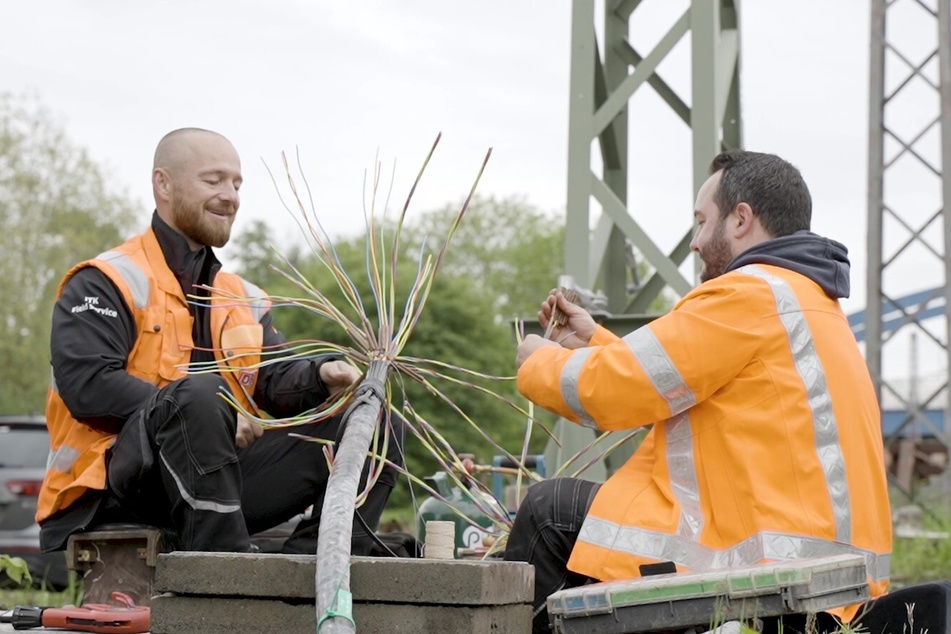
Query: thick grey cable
[(332, 579)]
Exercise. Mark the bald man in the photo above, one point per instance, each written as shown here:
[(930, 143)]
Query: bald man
[(142, 352)]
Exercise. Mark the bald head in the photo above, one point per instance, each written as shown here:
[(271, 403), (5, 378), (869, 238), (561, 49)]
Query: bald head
[(196, 175), (178, 146)]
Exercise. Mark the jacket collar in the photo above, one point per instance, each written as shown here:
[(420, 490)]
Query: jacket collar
[(189, 268)]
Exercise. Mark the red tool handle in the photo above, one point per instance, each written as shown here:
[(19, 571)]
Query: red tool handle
[(101, 617)]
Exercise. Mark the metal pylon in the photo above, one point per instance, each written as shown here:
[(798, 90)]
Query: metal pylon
[(603, 80), (909, 227)]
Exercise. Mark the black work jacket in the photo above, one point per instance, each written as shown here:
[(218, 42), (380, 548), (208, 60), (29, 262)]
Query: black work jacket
[(87, 352)]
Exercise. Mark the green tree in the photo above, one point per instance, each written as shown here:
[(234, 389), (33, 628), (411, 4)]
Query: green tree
[(55, 210), (253, 249), (504, 258), (512, 251), (457, 327)]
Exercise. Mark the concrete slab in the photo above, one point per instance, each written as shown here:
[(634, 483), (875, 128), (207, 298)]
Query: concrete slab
[(252, 592), (372, 579), (187, 615), (229, 593)]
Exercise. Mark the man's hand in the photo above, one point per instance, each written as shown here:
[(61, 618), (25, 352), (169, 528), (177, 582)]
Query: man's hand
[(530, 344), (579, 326), (338, 376), (247, 432)]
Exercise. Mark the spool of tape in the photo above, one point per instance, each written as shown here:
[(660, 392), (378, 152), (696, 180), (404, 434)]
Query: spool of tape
[(440, 539)]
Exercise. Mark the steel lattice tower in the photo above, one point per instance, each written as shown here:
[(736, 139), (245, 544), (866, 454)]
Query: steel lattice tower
[(603, 80), (909, 226)]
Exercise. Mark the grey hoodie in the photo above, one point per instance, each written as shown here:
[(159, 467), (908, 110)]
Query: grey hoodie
[(824, 261)]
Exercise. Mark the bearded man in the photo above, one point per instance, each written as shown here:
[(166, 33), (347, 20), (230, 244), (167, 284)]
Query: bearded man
[(766, 443), (135, 436)]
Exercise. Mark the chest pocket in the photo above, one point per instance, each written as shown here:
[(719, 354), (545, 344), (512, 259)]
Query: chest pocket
[(164, 345)]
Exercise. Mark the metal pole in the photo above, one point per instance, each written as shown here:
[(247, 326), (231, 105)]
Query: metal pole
[(584, 56), (876, 168), (944, 91), (601, 87)]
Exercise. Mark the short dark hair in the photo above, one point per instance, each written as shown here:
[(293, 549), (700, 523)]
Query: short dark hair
[(772, 187)]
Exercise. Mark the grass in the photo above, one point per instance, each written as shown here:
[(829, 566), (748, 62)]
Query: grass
[(38, 597), (917, 559), (19, 588)]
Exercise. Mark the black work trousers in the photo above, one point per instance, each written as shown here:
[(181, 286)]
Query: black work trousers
[(545, 530), (175, 465)]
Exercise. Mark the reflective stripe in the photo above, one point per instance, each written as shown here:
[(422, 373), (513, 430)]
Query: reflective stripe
[(668, 382), (199, 505), (683, 474), (689, 554), (137, 280), (665, 377), (569, 385), (823, 417), (258, 305), (62, 459), (683, 547)]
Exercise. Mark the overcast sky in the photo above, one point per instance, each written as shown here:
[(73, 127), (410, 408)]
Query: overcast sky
[(342, 81)]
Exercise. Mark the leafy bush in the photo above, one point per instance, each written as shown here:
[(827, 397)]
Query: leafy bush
[(16, 569)]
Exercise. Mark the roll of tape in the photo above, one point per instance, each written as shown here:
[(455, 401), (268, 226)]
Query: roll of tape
[(440, 539)]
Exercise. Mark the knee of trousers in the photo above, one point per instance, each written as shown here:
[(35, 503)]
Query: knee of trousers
[(200, 395), (198, 398), (540, 494), (534, 513), (196, 429), (537, 505)]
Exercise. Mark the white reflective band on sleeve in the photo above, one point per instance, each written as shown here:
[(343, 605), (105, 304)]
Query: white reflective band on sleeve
[(62, 459), (137, 280), (685, 552), (258, 305), (199, 505), (668, 382), (683, 474), (650, 354), (813, 377), (569, 385)]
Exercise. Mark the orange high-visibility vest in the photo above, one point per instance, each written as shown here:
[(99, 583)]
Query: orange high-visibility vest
[(160, 355), (766, 444)]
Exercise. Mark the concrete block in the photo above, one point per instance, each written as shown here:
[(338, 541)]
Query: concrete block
[(216, 615), (391, 580), (187, 615), (113, 557)]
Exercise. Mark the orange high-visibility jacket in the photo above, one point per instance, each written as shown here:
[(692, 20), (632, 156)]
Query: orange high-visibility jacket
[(161, 353), (766, 444)]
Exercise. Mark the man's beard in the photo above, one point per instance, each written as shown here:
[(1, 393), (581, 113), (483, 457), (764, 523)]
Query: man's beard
[(716, 256), (190, 220)]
